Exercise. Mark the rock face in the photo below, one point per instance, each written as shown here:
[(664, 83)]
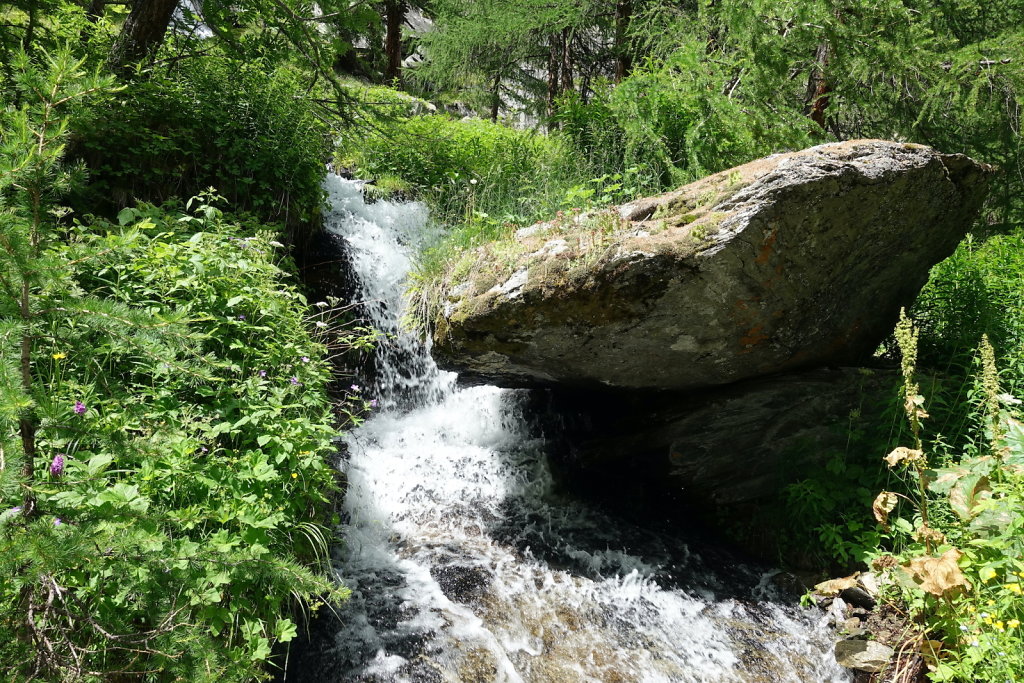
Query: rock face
[(726, 447), (794, 261)]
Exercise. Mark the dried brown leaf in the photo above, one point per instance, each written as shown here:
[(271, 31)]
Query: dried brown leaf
[(940, 576), (903, 454), (931, 652), (883, 505), (926, 534), (836, 586)]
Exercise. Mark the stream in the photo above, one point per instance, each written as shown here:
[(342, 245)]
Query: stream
[(467, 564)]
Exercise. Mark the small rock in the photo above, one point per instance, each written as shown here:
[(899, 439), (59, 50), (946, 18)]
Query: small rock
[(858, 597), (863, 655), (869, 582), (837, 611)]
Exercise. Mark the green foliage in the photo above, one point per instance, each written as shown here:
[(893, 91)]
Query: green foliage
[(199, 469), (679, 118), (449, 161), (238, 126), (164, 425), (976, 291), (960, 564)]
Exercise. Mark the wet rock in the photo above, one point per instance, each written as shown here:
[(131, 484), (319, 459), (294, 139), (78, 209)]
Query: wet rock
[(858, 597), (837, 612), (863, 655), (461, 583), (722, 447), (794, 261), (852, 628)]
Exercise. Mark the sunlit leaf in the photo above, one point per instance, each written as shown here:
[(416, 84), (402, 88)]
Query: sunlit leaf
[(939, 576)]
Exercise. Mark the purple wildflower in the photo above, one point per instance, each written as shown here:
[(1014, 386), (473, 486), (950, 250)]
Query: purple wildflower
[(241, 317), (373, 403), (356, 388), (295, 380), (79, 408), (57, 466), (263, 373), (56, 521), (204, 449), (16, 510), (305, 359)]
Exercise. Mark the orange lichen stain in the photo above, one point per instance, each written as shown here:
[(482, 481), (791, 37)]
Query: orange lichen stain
[(766, 249), (754, 336)]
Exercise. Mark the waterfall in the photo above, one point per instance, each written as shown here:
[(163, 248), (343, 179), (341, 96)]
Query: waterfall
[(465, 564)]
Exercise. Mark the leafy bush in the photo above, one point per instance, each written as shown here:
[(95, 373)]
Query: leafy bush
[(959, 558), (184, 518), (675, 119), (213, 122), (978, 290), (453, 163), (164, 424)]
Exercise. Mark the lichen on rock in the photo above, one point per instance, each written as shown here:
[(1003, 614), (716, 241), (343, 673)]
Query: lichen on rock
[(792, 261)]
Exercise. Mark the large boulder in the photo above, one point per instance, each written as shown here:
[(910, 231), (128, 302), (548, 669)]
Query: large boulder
[(793, 261)]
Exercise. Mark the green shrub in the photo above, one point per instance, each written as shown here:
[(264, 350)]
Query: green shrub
[(978, 290), (959, 557), (453, 163), (674, 119), (212, 122), (187, 520)]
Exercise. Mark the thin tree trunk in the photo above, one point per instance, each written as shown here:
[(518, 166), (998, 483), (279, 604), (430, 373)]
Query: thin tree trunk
[(141, 34), (553, 67), (27, 421), (623, 54), (818, 87), (567, 65), (496, 97), (93, 13), (30, 29), (393, 20), (95, 10)]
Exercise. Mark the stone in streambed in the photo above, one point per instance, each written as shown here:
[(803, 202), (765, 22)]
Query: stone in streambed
[(863, 655), (793, 261)]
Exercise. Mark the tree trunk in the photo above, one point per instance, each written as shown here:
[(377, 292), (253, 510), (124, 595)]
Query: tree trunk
[(567, 65), (95, 10), (141, 34), (818, 87), (553, 66), (623, 54), (496, 97), (393, 20), (30, 29)]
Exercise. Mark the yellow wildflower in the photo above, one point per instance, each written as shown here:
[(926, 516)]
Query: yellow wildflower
[(1013, 587), (294, 476), (60, 356), (1012, 623), (999, 626)]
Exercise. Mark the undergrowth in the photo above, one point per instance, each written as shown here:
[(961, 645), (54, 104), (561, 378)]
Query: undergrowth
[(165, 429)]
